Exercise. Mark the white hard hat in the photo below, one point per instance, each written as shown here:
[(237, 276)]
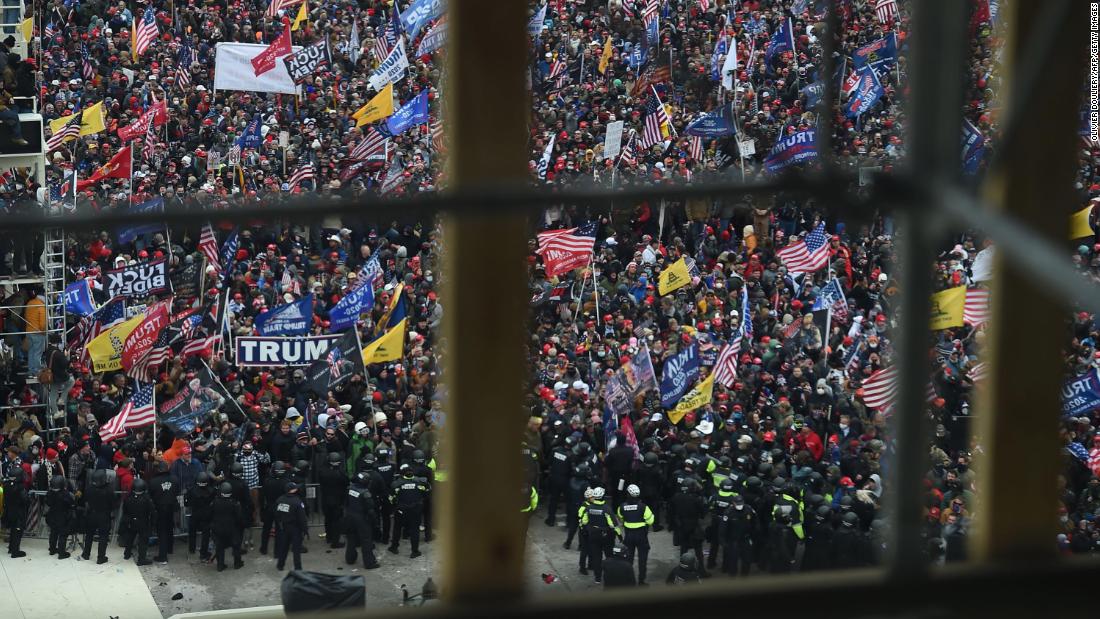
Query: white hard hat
[(361, 428), (588, 493), (633, 490), (597, 492), (379, 417), (322, 419)]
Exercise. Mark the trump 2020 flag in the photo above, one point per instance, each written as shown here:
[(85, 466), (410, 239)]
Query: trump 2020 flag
[(78, 298), (880, 54), (290, 319), (782, 41), (419, 13), (680, 373), (973, 147), (544, 163), (414, 112), (251, 137), (796, 148), (868, 91), (347, 310)]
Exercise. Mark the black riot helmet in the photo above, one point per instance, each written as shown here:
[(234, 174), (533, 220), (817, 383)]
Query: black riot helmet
[(650, 459), (291, 487), (335, 458), (418, 456), (725, 462), (850, 519), (237, 469), (753, 483), (57, 482), (279, 468), (368, 460), (361, 478), (226, 489), (301, 466), (687, 560), (139, 487), (727, 485), (202, 479), (583, 470), (99, 477), (824, 511)]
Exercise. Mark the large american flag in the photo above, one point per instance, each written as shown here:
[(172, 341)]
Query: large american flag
[(976, 306), (383, 43), (373, 143), (88, 69), (880, 390), (886, 10), (650, 13), (108, 315), (655, 117), (695, 148), (198, 345), (809, 255), (208, 245), (437, 135), (725, 369), (150, 139), (184, 61), (146, 33), (144, 369), (138, 411), (303, 173), (70, 129), (333, 360), (628, 156), (278, 5), (570, 240)]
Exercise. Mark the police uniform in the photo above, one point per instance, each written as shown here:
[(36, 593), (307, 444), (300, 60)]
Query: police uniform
[(226, 522), (164, 490), (100, 502), (61, 505), (333, 481), (138, 517), (359, 522), (15, 511), (599, 527), (274, 488), (408, 494), (201, 501), (636, 518), (290, 526)]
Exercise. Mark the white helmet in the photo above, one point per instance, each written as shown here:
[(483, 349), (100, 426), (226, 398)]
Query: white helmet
[(361, 428), (588, 493), (633, 491), (597, 492)]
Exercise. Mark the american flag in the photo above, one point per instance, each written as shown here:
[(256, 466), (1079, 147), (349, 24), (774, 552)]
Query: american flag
[(704, 5), (289, 283), (50, 31), (1094, 460), (437, 135), (198, 345), (70, 129), (886, 10), (628, 156), (144, 369), (303, 173), (655, 118), (725, 369), (108, 315), (650, 13), (89, 70), (138, 411), (372, 143), (978, 372), (695, 148), (184, 61), (832, 298), (150, 139), (880, 390), (809, 255), (628, 9), (208, 245), (383, 44), (279, 5), (578, 239), (333, 360), (147, 32), (976, 306)]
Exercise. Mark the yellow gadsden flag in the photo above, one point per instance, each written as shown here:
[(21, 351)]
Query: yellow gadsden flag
[(605, 57), (91, 122), (303, 16), (1079, 224), (947, 308), (389, 347), (28, 28), (379, 107), (106, 348), (698, 397), (673, 278)]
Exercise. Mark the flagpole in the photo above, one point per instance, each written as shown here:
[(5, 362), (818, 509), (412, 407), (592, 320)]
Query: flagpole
[(214, 376), (154, 421), (131, 183)]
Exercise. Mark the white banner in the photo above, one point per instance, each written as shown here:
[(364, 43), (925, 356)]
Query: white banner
[(233, 70), (613, 142), (392, 68), (282, 351)]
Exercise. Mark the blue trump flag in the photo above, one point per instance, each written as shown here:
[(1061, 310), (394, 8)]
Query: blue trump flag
[(290, 319), (782, 41), (1081, 394), (973, 147), (879, 54), (713, 124), (78, 298), (680, 373), (251, 137), (229, 253), (720, 50), (414, 112), (638, 56), (831, 294), (419, 13), (129, 233), (867, 92), (347, 310), (795, 148)]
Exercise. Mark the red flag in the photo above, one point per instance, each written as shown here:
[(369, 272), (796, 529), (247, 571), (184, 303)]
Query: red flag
[(141, 339), (117, 167), (265, 60), (159, 112)]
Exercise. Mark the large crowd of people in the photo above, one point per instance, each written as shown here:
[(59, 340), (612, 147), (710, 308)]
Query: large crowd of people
[(785, 467)]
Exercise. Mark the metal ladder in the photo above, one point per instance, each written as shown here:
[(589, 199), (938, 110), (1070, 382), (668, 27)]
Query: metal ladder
[(53, 267)]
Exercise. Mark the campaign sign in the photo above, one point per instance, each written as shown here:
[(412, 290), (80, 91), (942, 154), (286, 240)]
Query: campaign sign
[(140, 280), (282, 351)]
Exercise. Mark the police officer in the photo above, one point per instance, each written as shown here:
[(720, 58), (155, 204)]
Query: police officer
[(333, 480), (739, 524), (273, 488), (685, 572), (636, 518), (385, 468), (138, 515), (60, 505), (782, 543), (360, 516), (618, 569), (651, 481), (241, 494), (164, 490), (819, 540), (422, 470), (790, 503), (689, 509), (200, 498), (290, 526), (575, 497), (99, 503), (379, 491), (15, 509), (720, 502), (599, 527), (849, 547), (528, 503), (227, 520), (561, 464), (407, 494)]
